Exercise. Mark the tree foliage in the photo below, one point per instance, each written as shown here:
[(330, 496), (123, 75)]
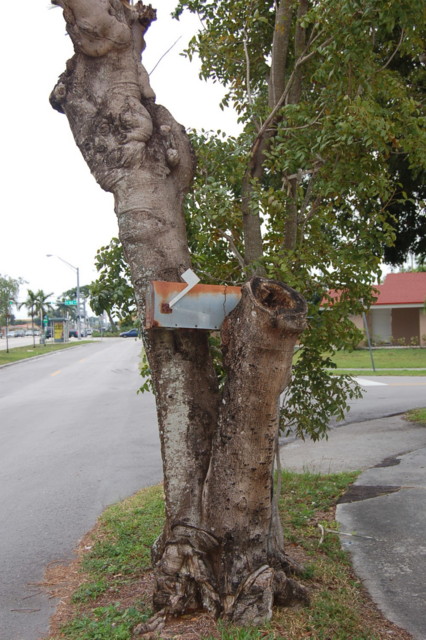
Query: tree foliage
[(325, 178), (70, 311), (9, 290), (112, 292), (408, 212), (329, 158), (38, 305)]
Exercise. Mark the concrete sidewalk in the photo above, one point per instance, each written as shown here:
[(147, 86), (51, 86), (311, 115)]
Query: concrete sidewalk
[(385, 511)]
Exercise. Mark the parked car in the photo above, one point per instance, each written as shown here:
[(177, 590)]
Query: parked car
[(131, 333), (11, 334), (73, 333)]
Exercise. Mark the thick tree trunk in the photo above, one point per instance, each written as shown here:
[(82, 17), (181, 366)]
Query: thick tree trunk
[(216, 550), (258, 340)]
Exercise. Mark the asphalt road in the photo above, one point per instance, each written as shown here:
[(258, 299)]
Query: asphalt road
[(74, 437), (387, 396)]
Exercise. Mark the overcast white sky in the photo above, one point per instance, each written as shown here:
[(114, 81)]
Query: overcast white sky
[(50, 202)]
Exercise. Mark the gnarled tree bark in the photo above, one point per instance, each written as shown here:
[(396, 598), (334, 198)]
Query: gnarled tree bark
[(216, 550)]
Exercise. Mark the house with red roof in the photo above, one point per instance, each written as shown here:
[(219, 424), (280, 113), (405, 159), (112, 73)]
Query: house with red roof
[(399, 314)]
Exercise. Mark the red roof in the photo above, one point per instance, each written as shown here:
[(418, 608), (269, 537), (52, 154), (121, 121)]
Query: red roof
[(402, 288)]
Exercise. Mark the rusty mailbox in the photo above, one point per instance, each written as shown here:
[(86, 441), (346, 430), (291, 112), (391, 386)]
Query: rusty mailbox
[(191, 306)]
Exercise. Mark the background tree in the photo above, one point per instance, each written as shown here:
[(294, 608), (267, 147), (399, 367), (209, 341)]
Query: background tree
[(31, 305), (71, 294), (408, 213), (113, 292), (9, 290), (71, 311), (37, 304), (322, 112), (43, 307)]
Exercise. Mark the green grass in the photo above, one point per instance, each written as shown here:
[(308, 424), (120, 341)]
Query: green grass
[(417, 415), (105, 623), (121, 554), (22, 353), (388, 359), (127, 533)]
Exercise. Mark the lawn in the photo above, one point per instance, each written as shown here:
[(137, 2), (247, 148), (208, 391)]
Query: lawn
[(22, 353), (384, 359)]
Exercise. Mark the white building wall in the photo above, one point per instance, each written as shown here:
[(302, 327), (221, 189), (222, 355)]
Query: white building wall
[(381, 320)]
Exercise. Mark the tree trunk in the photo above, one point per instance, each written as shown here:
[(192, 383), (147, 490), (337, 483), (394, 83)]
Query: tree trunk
[(217, 448)]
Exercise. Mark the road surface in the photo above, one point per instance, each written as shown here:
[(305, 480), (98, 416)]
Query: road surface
[(386, 396), (74, 437)]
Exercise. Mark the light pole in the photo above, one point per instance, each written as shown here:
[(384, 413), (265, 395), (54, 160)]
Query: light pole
[(76, 269)]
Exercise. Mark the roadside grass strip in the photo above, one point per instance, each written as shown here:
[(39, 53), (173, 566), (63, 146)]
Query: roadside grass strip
[(417, 415), (117, 560), (384, 359), (16, 354)]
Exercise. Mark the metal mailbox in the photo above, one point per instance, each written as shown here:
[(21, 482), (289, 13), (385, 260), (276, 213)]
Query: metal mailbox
[(203, 306)]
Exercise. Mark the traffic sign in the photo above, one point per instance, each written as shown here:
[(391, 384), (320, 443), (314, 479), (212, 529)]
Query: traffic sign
[(70, 302)]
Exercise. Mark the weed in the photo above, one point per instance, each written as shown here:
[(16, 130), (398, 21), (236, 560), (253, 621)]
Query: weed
[(417, 415), (127, 533), (90, 591), (105, 623), (229, 632)]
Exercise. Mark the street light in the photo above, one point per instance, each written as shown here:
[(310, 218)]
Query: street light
[(76, 269)]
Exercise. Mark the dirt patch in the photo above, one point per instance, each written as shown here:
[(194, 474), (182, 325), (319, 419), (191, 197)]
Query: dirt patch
[(358, 492), (61, 582), (392, 461)]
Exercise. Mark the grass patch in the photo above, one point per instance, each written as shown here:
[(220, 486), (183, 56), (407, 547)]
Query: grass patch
[(122, 550), (383, 359), (22, 353), (119, 558), (105, 623), (417, 415)]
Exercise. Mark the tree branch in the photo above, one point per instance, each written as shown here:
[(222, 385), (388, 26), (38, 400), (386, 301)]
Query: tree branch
[(264, 128), (305, 126), (248, 83), (284, 13), (395, 51), (233, 248)]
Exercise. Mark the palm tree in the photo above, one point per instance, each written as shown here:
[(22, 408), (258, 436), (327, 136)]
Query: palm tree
[(43, 307), (31, 304)]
